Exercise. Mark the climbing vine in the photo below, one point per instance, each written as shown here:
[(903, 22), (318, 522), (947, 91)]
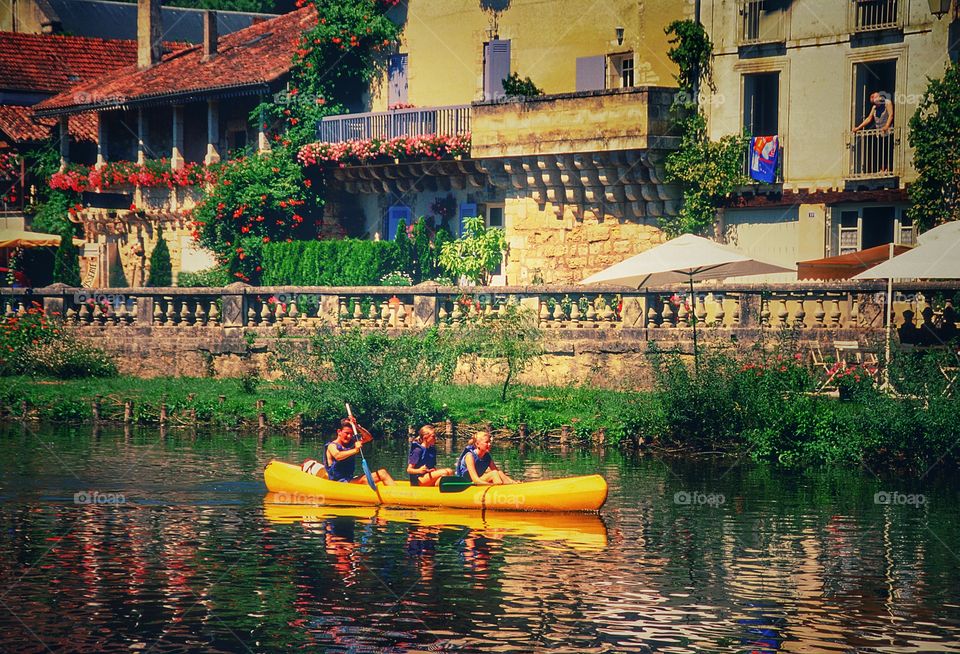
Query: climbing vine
[(707, 171)]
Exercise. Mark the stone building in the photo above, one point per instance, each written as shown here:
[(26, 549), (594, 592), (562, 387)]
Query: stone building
[(575, 176), (804, 72), (178, 111)]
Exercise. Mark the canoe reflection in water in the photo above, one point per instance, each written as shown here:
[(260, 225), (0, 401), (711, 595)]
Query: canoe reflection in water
[(585, 532)]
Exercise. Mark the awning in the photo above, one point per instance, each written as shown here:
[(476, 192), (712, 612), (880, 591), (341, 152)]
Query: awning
[(15, 238), (846, 266)]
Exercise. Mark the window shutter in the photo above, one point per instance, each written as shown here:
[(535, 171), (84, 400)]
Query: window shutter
[(394, 215), (496, 68), (591, 73), (397, 74), (467, 210)]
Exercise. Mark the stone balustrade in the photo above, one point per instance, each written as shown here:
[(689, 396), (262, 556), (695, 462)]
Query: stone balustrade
[(833, 306)]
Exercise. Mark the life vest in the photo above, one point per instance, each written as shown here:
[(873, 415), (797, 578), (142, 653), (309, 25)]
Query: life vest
[(480, 464), (344, 469), (421, 456)]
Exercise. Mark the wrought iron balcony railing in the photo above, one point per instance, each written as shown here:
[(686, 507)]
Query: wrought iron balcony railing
[(874, 15), (874, 154), (451, 120)]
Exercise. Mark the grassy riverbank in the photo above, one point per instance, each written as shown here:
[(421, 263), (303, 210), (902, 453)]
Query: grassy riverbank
[(739, 414)]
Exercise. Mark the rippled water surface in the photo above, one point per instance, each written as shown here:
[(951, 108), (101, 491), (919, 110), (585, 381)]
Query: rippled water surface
[(153, 543)]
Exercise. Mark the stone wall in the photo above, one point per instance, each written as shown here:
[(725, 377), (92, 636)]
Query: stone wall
[(552, 245)]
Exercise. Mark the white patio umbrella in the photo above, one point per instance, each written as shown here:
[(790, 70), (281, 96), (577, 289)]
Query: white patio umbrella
[(687, 258), (937, 256)]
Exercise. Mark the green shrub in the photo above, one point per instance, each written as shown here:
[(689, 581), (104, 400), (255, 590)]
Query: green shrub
[(211, 277), (348, 262), (161, 272)]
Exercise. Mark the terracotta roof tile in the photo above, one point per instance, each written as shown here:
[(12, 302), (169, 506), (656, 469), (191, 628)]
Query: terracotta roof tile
[(258, 54), (53, 63), (19, 124)]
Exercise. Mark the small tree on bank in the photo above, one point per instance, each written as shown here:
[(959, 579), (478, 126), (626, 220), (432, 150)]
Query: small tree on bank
[(935, 137), (161, 271), (476, 254), (66, 262)]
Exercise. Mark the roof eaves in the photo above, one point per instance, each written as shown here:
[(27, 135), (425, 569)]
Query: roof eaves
[(147, 99)]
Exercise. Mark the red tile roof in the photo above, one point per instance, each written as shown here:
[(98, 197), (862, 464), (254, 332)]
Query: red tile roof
[(251, 57), (18, 124), (49, 63)]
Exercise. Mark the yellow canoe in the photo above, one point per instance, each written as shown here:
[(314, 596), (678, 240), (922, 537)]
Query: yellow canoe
[(578, 530), (568, 494)]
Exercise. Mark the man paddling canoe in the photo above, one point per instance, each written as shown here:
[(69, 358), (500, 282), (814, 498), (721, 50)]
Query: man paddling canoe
[(340, 455), (476, 464)]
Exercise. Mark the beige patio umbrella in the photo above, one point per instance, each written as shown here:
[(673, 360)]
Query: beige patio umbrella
[(687, 258), (17, 238), (937, 256)]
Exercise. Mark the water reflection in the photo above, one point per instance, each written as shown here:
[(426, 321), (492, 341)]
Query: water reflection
[(198, 557)]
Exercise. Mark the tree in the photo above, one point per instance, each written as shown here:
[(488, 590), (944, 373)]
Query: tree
[(520, 88), (935, 137), (161, 273), (66, 262), (512, 336), (476, 254)]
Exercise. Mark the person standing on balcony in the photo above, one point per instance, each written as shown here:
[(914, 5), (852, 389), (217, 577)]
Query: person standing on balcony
[(876, 153)]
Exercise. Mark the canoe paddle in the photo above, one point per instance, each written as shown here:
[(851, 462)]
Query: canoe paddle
[(363, 459), (455, 484)]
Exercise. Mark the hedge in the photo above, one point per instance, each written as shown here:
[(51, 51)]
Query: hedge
[(349, 262)]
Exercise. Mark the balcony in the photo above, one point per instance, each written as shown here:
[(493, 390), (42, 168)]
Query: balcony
[(867, 16), (874, 154), (571, 123), (761, 22), (452, 120)]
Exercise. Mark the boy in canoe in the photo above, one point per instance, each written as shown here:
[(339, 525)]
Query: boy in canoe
[(340, 454), (476, 464), (422, 462)]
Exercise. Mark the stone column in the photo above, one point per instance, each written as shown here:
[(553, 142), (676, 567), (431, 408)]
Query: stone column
[(101, 142), (65, 142), (141, 137), (263, 143), (213, 132), (176, 153)]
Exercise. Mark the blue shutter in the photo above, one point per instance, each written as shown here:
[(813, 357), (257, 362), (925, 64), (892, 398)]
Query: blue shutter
[(397, 76), (591, 73), (394, 215), (496, 68), (467, 210)]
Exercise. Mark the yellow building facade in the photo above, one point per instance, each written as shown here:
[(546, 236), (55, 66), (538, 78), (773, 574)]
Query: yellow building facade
[(804, 71), (575, 176)]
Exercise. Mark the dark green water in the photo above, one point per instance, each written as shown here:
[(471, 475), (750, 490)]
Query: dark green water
[(148, 543)]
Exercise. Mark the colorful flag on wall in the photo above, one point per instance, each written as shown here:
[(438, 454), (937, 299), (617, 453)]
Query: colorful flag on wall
[(764, 156)]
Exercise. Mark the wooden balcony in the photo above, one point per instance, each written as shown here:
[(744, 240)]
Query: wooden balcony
[(453, 120)]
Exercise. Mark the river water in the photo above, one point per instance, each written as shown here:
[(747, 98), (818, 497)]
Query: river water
[(150, 542)]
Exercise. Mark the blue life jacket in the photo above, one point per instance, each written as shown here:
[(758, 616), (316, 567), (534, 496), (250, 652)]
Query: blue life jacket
[(480, 463), (342, 470), (421, 456)]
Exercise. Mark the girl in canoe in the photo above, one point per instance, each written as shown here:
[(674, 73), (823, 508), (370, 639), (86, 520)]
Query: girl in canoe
[(340, 454), (422, 462), (476, 464)]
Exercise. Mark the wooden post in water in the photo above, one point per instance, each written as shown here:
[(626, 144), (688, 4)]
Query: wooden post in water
[(451, 434), (523, 431), (261, 421), (163, 414), (127, 412), (24, 410), (193, 416), (96, 408), (602, 436), (564, 434)]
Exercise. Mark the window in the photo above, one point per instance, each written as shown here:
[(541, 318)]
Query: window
[(621, 69), (761, 104), (873, 152), (495, 218), (866, 227), (395, 214), (871, 15), (761, 21)]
